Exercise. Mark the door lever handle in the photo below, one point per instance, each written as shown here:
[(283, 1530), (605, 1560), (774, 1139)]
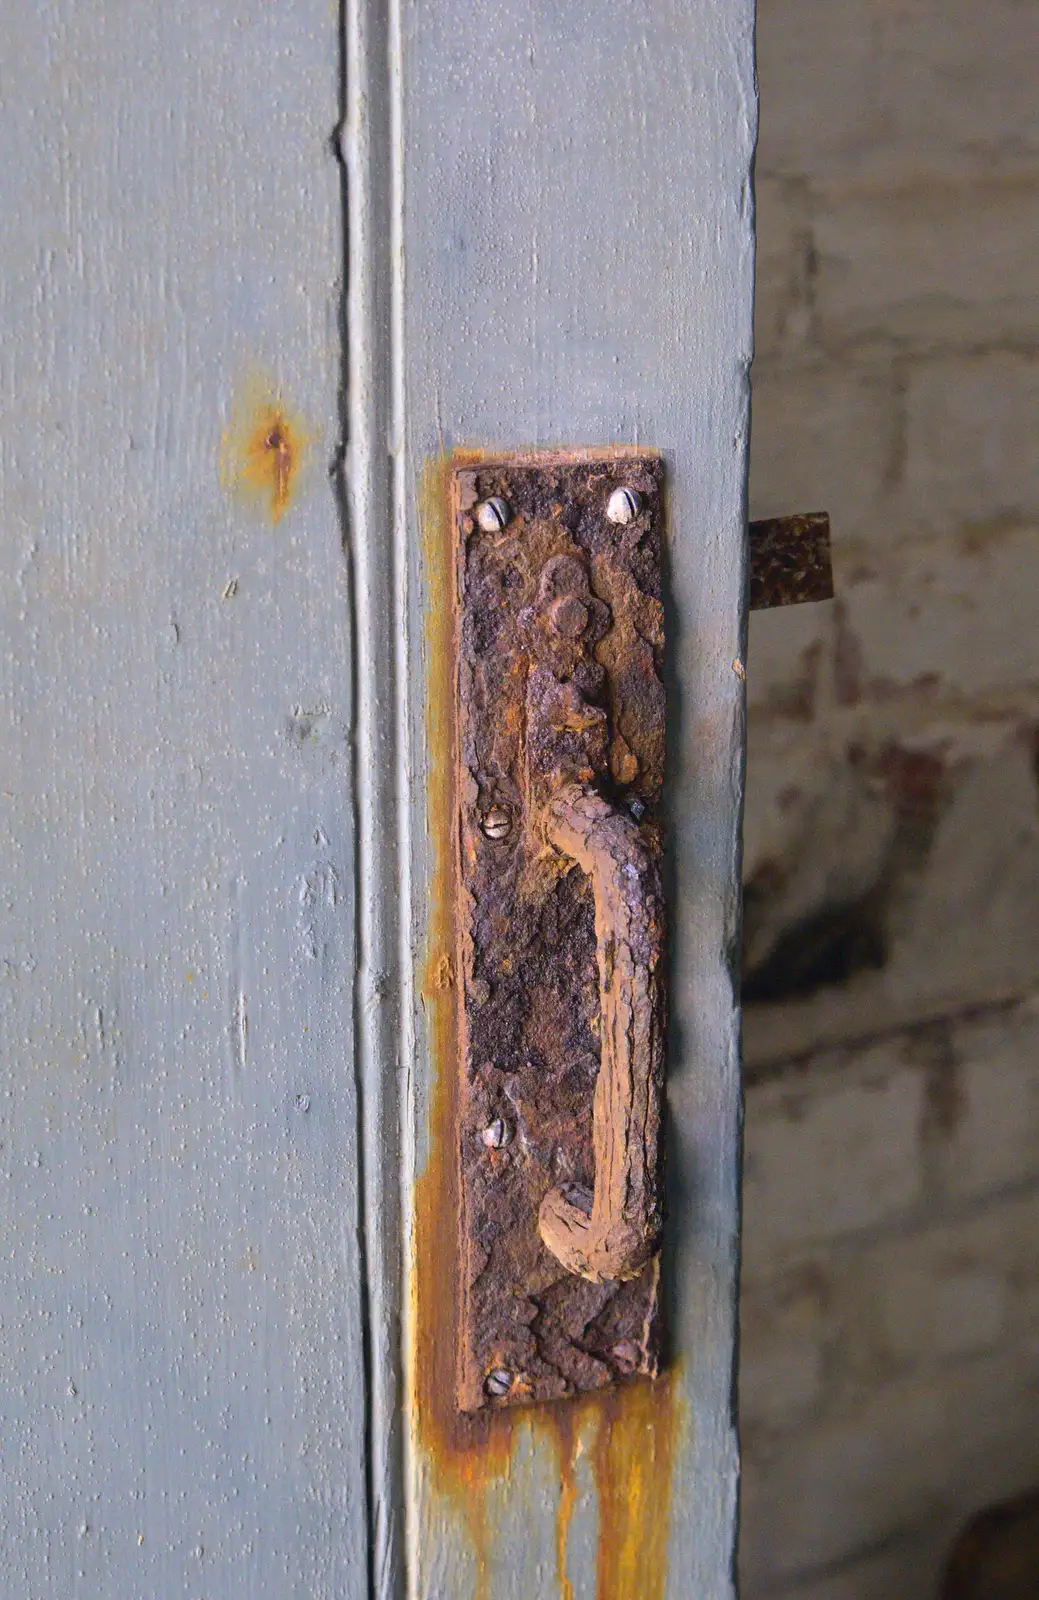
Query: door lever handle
[(611, 1232)]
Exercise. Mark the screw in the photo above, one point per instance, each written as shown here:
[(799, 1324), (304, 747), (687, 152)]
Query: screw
[(498, 1382), (495, 1134), (497, 824), (626, 1354), (623, 506), (303, 1102), (494, 514)]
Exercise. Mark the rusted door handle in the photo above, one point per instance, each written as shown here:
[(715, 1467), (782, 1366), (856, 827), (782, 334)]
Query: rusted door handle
[(612, 1231), (559, 828)]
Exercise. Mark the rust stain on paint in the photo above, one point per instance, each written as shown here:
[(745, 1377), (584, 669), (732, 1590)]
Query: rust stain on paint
[(563, 1424), (630, 1431), (634, 1455), (263, 449)]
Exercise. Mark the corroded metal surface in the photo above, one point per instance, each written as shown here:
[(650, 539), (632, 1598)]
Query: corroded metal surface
[(561, 757), (790, 560)]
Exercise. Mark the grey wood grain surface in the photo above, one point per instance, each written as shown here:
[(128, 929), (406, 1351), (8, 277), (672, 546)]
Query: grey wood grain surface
[(181, 1365)]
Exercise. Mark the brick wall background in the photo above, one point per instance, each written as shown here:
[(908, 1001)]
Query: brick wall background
[(890, 1316)]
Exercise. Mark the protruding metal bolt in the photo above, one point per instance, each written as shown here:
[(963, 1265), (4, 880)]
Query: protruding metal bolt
[(624, 505), (496, 1134), (569, 616), (626, 1354), (498, 1382), (494, 514), (497, 824)]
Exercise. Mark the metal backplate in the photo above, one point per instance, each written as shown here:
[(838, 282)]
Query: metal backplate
[(790, 560), (530, 1007)]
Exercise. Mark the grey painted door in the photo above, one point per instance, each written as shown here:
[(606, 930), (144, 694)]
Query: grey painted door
[(180, 1290), (261, 268)]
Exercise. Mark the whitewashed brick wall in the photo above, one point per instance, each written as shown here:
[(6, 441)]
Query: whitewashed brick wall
[(890, 1342)]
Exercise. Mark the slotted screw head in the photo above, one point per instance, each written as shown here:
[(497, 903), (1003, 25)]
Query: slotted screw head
[(494, 514), (624, 505), (495, 1134), (497, 823), (498, 1382)]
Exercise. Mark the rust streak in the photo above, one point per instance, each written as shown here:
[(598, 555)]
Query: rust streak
[(563, 1426), (634, 1453), (633, 1433)]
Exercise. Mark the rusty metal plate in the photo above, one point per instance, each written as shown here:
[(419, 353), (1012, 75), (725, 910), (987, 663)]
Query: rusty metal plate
[(790, 560), (561, 745)]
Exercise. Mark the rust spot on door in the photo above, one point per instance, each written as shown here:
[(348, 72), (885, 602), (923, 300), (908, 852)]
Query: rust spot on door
[(630, 1434), (263, 450)]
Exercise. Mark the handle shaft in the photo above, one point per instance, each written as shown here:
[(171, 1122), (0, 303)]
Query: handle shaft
[(613, 1231)]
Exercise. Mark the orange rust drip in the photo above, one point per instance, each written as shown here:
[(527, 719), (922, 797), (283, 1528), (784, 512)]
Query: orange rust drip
[(562, 1422), (466, 1455), (633, 1458), (632, 1455)]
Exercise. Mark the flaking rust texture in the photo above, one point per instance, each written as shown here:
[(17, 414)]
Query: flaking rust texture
[(790, 560), (560, 693)]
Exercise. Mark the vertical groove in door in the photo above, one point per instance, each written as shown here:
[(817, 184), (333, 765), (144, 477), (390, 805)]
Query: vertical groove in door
[(368, 489)]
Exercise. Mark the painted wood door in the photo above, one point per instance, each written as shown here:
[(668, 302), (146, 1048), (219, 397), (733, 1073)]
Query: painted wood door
[(263, 269)]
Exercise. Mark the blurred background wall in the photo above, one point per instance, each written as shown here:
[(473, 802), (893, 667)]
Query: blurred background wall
[(890, 1314)]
